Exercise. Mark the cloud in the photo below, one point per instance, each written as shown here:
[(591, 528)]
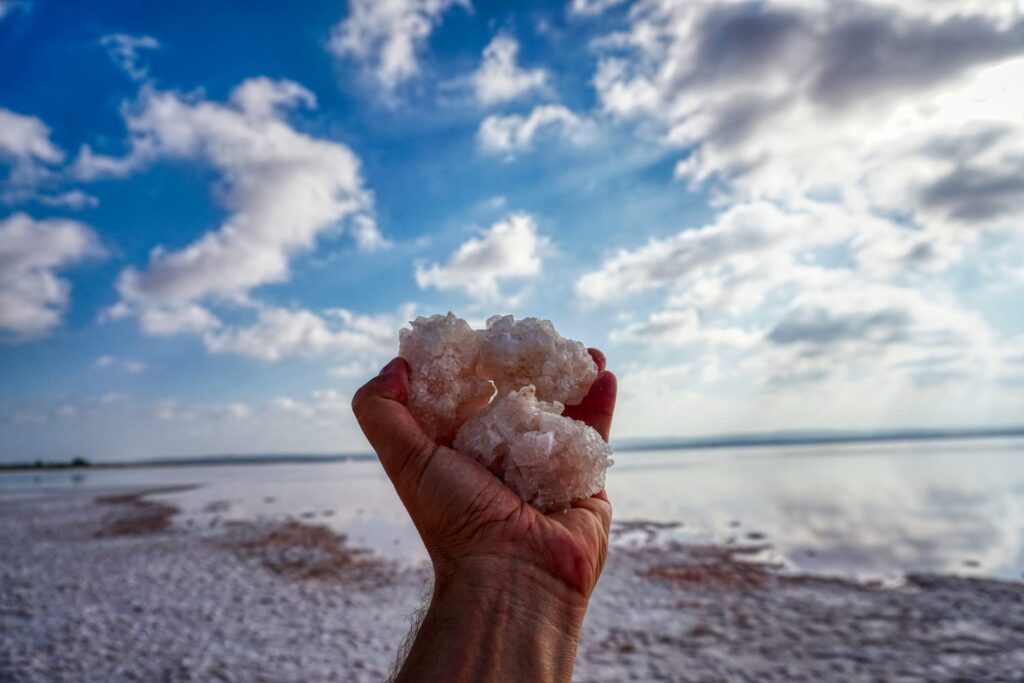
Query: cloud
[(127, 364), (743, 241), (284, 189), (513, 133), (882, 329), (351, 370), (32, 297), (682, 328), (510, 249), (592, 8), (387, 36), (8, 7), (282, 332), (26, 140), (33, 159), (125, 51), (861, 102), (499, 78)]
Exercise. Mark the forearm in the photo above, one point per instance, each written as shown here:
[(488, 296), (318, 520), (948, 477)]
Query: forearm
[(496, 621)]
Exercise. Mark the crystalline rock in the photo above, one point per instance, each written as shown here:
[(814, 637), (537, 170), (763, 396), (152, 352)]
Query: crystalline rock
[(548, 459), (443, 389), (515, 354)]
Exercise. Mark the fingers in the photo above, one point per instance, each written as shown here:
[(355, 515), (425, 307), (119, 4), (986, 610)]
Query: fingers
[(599, 505), (598, 357), (379, 406), (597, 407)]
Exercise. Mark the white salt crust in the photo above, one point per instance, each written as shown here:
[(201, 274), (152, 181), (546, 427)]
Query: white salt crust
[(515, 354), (548, 459), (444, 391)]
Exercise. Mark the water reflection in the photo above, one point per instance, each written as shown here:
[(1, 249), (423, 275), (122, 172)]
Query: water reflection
[(863, 510)]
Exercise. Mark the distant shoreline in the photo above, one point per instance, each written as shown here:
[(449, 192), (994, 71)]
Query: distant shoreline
[(757, 440)]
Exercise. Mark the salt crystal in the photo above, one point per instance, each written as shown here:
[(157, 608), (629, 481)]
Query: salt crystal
[(443, 389), (548, 459), (515, 354)]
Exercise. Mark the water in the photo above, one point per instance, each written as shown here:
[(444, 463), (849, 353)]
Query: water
[(865, 510)]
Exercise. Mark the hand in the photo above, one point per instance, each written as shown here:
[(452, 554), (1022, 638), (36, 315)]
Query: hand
[(485, 543)]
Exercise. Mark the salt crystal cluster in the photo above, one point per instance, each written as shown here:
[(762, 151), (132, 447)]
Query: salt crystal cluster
[(515, 354), (548, 459), (444, 390)]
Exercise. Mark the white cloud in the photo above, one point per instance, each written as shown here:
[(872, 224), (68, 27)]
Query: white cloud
[(855, 156), (896, 108), (353, 369), (508, 134), (387, 36), (499, 78), (284, 189), (510, 249), (591, 8), (125, 50), (282, 332), (8, 7), (26, 139), (682, 328), (34, 159), (32, 297), (127, 364)]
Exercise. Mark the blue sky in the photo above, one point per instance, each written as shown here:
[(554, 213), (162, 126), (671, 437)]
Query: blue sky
[(770, 215)]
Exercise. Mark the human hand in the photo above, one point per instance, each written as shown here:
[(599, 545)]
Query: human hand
[(494, 555), (463, 513)]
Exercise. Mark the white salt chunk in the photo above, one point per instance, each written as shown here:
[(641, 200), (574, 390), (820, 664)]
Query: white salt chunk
[(443, 389), (515, 354), (548, 459)]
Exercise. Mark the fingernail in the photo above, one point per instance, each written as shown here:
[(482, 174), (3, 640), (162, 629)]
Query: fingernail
[(389, 367)]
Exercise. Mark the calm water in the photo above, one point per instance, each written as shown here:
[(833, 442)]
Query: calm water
[(864, 510)]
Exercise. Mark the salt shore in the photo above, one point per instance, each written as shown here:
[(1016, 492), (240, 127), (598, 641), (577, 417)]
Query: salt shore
[(109, 587)]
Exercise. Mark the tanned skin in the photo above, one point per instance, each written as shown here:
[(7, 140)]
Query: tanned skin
[(511, 585)]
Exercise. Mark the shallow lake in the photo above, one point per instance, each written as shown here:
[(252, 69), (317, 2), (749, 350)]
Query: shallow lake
[(867, 510)]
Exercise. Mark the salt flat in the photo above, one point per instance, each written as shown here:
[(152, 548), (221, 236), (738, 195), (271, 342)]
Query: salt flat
[(111, 586)]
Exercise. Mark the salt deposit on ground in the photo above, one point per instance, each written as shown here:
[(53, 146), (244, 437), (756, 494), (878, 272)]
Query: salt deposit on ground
[(266, 600), (548, 459)]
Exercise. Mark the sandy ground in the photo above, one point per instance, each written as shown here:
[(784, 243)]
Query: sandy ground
[(109, 588)]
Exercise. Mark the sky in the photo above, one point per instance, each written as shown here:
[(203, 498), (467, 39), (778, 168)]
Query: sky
[(771, 215)]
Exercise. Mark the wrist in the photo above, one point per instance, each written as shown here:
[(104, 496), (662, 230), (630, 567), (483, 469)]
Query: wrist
[(497, 619), (522, 589)]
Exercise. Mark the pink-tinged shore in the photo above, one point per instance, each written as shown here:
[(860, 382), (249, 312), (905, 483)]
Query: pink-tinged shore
[(108, 587)]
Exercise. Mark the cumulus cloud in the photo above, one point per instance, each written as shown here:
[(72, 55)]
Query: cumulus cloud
[(281, 332), (508, 134), (883, 328), (387, 36), (855, 154), (33, 162), (284, 189), (683, 328), (33, 297), (511, 249), (499, 78), (126, 51), (781, 99)]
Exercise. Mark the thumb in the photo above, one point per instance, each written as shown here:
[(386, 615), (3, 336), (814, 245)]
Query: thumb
[(380, 408)]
